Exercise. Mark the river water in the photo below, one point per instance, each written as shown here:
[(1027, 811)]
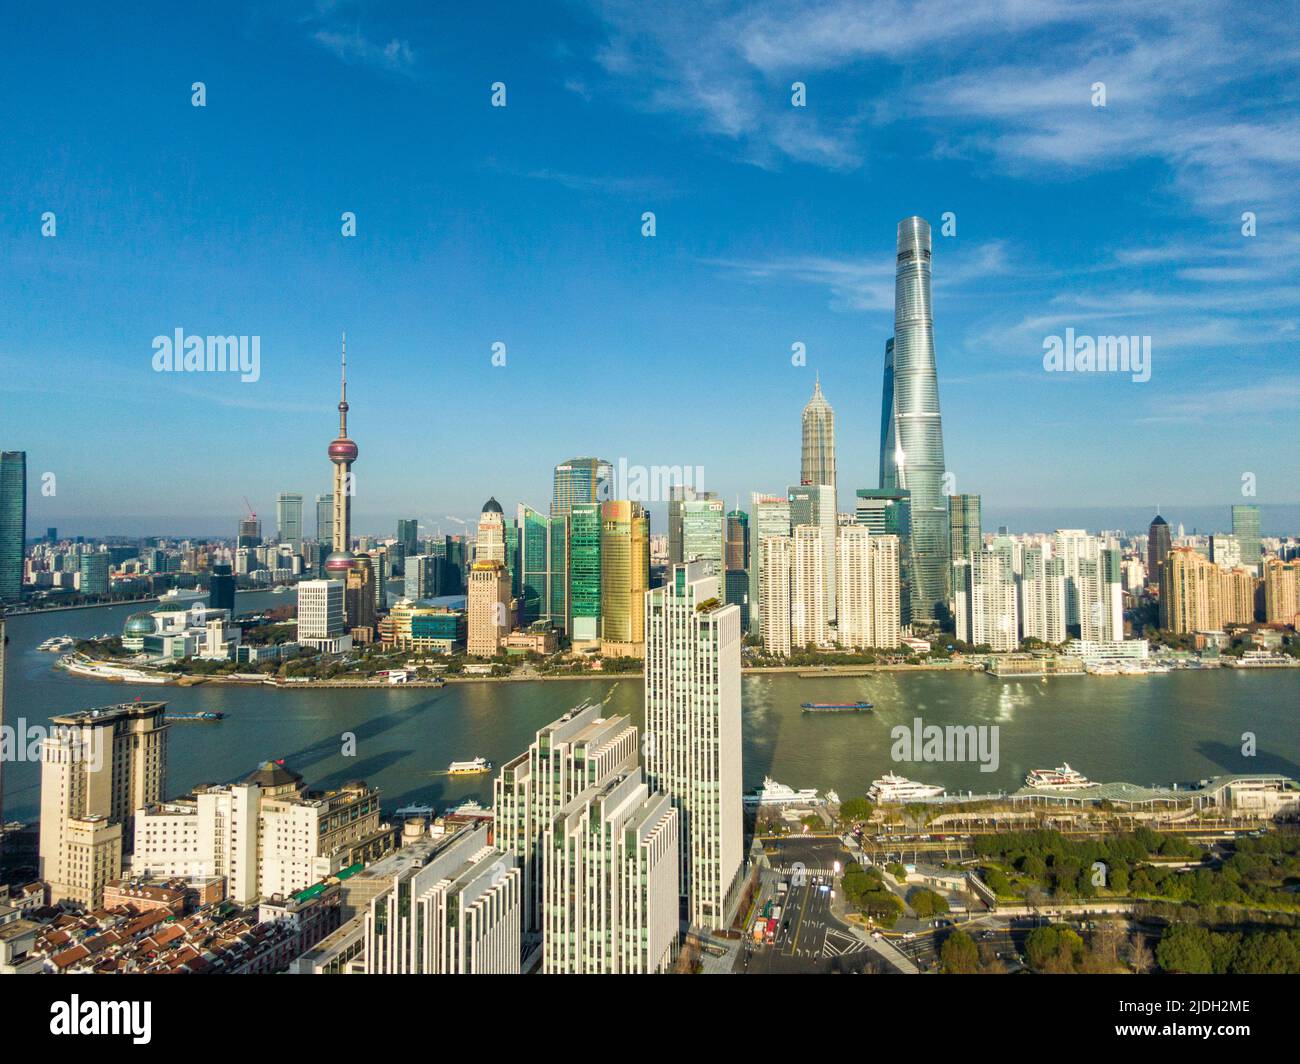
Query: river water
[(1153, 729)]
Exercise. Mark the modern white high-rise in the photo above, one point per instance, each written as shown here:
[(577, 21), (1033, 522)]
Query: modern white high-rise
[(581, 749), (320, 615), (448, 905), (883, 555), (777, 559), (769, 515), (609, 881), (1074, 546), (986, 610), (853, 586), (693, 741), (1101, 598), (808, 612), (1042, 597)]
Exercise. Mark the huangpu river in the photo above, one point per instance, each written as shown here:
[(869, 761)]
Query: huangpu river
[(1179, 727)]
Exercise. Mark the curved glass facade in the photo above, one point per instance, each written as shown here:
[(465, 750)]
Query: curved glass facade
[(915, 461)]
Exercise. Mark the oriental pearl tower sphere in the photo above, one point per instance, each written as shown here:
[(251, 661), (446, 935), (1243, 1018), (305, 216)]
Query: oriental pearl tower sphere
[(342, 452)]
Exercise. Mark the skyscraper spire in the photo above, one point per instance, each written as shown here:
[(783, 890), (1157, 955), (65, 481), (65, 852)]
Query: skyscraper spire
[(818, 459)]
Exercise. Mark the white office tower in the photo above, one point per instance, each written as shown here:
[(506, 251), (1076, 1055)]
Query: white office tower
[(692, 719), (609, 881), (1135, 575), (777, 559), (814, 504), (1042, 597), (1074, 546), (769, 515), (450, 906), (986, 601), (808, 613), (320, 612), (580, 750), (868, 589)]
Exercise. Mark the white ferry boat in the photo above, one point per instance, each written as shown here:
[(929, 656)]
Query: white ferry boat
[(57, 644), (773, 793), (1063, 777), (892, 787), (470, 768), (182, 594)]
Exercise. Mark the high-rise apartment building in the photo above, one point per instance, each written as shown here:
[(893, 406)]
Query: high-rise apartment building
[(814, 505), (580, 750), (97, 768), (1074, 547), (985, 604), (13, 522), (809, 621), (693, 741), (288, 519), (868, 589), (1042, 597), (1190, 593), (1282, 592), (912, 451), (774, 595), (443, 905), (817, 464), (609, 881), (624, 576), (769, 516)]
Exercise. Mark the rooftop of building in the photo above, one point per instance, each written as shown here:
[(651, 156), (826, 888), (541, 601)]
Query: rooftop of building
[(107, 714)]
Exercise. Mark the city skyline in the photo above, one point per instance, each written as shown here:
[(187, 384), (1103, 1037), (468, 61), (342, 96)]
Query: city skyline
[(763, 241)]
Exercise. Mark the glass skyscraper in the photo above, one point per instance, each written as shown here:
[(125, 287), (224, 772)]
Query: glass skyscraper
[(581, 480), (1245, 526), (912, 435), (817, 464), (13, 522), (288, 519), (964, 532), (584, 571)]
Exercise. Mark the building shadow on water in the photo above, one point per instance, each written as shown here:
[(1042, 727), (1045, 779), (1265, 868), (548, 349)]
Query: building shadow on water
[(326, 749), (1233, 762)]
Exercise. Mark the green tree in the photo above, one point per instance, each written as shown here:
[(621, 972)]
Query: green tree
[(959, 955)]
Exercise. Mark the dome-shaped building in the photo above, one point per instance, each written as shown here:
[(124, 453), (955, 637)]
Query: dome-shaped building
[(137, 626), (492, 506)]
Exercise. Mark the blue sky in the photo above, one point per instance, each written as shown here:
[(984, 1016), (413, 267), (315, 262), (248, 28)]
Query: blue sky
[(522, 225)]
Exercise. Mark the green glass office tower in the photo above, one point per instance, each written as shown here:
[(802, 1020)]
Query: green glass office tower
[(964, 532), (584, 571), (557, 549), (408, 535), (534, 565), (94, 574), (769, 516), (1245, 526), (697, 528), (13, 522), (915, 460)]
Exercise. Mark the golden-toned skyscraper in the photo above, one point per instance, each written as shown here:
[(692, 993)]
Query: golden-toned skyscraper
[(624, 576), (487, 608), (1191, 589)]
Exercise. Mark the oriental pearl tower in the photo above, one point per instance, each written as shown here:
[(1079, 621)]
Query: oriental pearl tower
[(342, 452)]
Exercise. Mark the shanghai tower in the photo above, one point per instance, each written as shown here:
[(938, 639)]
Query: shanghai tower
[(911, 432)]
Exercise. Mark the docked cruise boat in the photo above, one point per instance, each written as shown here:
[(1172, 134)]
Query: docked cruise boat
[(182, 594), (892, 787), (773, 793), (470, 768), (1061, 778)]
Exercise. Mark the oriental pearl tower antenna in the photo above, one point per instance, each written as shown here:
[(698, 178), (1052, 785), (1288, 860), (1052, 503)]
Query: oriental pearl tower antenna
[(342, 452)]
